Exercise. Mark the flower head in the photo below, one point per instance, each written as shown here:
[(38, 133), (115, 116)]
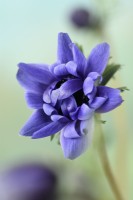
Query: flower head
[(84, 18), (29, 181), (66, 94)]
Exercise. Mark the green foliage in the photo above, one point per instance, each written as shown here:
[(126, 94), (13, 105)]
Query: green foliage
[(52, 137), (80, 47), (109, 72), (123, 89)]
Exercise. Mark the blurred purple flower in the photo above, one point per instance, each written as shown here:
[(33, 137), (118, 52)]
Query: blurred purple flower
[(66, 94), (28, 182), (83, 18)]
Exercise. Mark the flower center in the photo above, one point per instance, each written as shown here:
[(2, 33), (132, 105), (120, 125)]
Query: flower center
[(60, 83), (64, 80), (80, 98)]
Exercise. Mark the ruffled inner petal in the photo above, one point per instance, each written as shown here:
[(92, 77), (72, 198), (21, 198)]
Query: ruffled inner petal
[(70, 87), (97, 102), (88, 85), (85, 112), (48, 91), (68, 106), (61, 70), (48, 109), (72, 68)]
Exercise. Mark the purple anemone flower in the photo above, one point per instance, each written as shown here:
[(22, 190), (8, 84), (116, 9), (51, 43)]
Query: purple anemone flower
[(84, 18), (31, 181), (66, 94)]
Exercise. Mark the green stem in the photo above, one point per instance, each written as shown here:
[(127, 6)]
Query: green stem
[(105, 163)]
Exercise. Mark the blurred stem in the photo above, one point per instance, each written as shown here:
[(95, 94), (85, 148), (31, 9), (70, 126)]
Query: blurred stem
[(105, 162)]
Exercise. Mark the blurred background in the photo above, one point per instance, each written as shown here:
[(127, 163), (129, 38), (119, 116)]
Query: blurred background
[(28, 33)]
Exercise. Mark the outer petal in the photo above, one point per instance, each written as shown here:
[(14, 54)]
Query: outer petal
[(38, 72), (70, 87), (85, 112), (87, 127), (50, 129), (74, 146), (28, 83), (34, 100), (98, 58), (79, 59), (64, 48), (113, 98), (38, 120), (70, 131)]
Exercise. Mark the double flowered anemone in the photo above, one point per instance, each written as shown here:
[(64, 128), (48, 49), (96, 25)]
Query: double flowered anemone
[(66, 94)]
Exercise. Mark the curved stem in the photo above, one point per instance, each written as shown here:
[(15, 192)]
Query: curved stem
[(106, 165)]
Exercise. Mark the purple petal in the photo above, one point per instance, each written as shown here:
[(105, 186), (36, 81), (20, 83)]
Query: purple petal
[(68, 105), (54, 96), (38, 120), (87, 127), (48, 109), (74, 114), (57, 117), (34, 100), (38, 72), (97, 102), (64, 48), (95, 76), (79, 59), (98, 58), (92, 94), (70, 87), (47, 92), (88, 85), (70, 131), (73, 145), (50, 129), (113, 98), (60, 70), (72, 68), (27, 83), (85, 112), (51, 67)]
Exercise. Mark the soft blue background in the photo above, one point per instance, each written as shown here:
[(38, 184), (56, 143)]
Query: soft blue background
[(28, 33)]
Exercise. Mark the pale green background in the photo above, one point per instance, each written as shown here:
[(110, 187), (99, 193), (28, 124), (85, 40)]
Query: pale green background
[(28, 33)]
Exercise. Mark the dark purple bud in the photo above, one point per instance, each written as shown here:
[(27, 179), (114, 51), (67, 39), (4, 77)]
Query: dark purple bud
[(82, 18), (28, 182)]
